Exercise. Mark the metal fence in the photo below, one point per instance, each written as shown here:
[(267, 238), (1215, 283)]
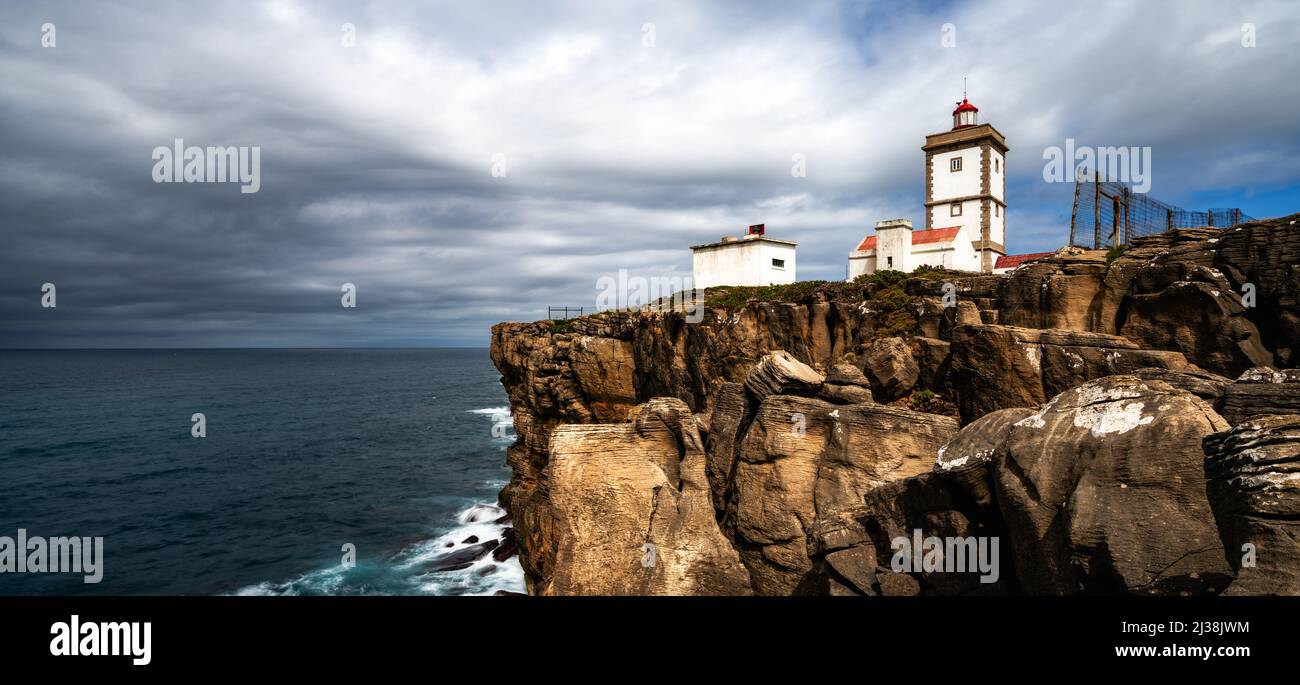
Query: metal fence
[(564, 313), (1108, 213)]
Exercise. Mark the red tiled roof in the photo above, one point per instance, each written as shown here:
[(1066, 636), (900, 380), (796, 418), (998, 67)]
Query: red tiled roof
[(933, 235), (1011, 261)]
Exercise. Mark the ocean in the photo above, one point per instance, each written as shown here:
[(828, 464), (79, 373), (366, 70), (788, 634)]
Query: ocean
[(307, 452)]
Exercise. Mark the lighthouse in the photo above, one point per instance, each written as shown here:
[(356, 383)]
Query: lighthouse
[(965, 184), (965, 206)]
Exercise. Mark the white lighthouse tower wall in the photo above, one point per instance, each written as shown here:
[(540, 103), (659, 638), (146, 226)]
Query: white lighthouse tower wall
[(997, 174), (998, 186), (948, 183), (997, 223)]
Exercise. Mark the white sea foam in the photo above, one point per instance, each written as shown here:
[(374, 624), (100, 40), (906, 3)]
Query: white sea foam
[(325, 581), (405, 571), (485, 576), (481, 513), (490, 411)]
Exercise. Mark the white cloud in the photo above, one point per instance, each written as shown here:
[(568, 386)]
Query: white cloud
[(377, 158)]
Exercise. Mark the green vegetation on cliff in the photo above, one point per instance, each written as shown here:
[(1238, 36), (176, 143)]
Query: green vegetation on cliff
[(884, 290)]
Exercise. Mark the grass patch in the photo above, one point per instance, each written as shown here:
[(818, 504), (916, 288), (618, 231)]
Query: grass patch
[(737, 296), (895, 310), (937, 273), (885, 278), (559, 326)]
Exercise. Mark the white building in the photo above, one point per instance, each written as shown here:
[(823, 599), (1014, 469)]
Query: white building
[(965, 205), (896, 246), (753, 259)]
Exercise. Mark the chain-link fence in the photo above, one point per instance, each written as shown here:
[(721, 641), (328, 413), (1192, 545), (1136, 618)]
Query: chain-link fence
[(1108, 213)]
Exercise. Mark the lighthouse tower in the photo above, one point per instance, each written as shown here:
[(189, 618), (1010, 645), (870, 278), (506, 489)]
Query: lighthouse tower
[(965, 184)]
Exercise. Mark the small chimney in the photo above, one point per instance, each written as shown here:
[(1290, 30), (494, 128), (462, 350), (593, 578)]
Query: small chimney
[(893, 223), (756, 229)]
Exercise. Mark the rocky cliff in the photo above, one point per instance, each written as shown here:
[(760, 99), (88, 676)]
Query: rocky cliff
[(1080, 411)]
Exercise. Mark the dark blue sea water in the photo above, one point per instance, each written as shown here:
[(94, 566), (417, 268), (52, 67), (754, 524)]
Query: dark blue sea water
[(306, 451)]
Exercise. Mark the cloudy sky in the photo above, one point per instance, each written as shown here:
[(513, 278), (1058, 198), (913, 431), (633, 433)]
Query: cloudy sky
[(377, 159)]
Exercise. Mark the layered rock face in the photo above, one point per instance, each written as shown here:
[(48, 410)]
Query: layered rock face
[(782, 461), (1100, 491), (1254, 485), (855, 547), (1261, 390), (783, 447), (632, 510), (1003, 366), (1225, 299)]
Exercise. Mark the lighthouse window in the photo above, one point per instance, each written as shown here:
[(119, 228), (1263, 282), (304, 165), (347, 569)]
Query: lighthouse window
[(954, 209), (955, 164), (778, 263), (996, 165)]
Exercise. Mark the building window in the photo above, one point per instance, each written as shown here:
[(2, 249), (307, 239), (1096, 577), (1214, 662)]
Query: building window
[(954, 209), (997, 210), (996, 165), (954, 164), (778, 263), (889, 262)]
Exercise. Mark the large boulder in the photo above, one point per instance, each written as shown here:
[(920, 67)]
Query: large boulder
[(1254, 486), (889, 365), (616, 488), (779, 373), (1103, 491), (846, 384), (461, 557)]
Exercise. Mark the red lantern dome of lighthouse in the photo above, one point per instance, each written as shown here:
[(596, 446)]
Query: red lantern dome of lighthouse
[(965, 115)]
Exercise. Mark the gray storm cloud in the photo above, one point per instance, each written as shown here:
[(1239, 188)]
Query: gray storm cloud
[(376, 160)]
